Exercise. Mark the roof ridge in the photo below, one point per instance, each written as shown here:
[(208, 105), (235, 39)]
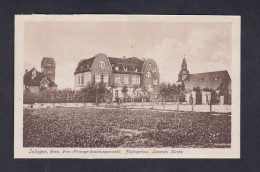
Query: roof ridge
[(209, 72)]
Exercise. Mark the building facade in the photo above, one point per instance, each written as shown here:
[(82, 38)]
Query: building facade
[(217, 80), (118, 72), (35, 81)]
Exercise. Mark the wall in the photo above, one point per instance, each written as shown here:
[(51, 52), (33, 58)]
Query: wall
[(148, 66), (101, 70), (34, 89), (49, 75), (87, 78)]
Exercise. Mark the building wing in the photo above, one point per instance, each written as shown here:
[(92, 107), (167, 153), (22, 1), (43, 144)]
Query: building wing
[(214, 80)]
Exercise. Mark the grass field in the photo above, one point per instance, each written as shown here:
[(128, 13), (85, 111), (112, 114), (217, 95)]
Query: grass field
[(89, 127)]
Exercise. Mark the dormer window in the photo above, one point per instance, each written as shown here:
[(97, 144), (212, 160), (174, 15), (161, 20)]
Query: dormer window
[(148, 74), (136, 70), (125, 69), (102, 64), (112, 65), (216, 78), (201, 79), (49, 71), (154, 70), (48, 64), (116, 68)]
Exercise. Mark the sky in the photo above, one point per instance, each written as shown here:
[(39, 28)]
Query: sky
[(207, 46)]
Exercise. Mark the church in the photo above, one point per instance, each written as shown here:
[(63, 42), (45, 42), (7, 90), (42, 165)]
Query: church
[(219, 81), (35, 81)]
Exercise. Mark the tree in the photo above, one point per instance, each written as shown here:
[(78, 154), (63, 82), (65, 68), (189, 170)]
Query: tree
[(198, 95), (144, 94), (164, 92), (124, 91), (113, 86), (179, 90), (135, 87), (173, 88)]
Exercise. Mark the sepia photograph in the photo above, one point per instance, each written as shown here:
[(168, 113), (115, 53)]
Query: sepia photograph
[(127, 86)]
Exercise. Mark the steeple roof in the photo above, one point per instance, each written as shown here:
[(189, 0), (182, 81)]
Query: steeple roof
[(184, 62)]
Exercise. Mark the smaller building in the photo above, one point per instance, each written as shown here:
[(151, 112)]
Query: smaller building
[(218, 81), (35, 81)]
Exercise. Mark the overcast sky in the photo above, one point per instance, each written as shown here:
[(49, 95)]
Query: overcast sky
[(206, 46)]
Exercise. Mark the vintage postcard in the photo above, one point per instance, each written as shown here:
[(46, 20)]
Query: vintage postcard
[(127, 86)]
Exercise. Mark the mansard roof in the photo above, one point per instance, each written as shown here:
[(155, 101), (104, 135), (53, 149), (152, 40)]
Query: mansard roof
[(131, 64), (84, 65)]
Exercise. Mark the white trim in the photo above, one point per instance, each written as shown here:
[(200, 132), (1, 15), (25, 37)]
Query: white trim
[(43, 79)]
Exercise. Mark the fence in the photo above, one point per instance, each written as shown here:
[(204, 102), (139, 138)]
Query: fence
[(146, 105)]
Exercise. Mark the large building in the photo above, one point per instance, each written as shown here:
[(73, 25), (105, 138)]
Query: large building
[(131, 72), (217, 80), (35, 81)]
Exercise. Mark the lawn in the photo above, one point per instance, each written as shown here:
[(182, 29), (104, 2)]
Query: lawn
[(89, 127)]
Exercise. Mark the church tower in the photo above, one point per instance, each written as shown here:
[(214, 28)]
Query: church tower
[(48, 67), (184, 73)]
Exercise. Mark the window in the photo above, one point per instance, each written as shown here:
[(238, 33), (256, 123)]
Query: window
[(81, 79), (116, 68), (116, 94), (49, 71), (126, 79), (154, 70), (105, 78), (117, 79), (148, 74), (136, 70), (155, 82), (125, 68), (97, 78), (133, 80), (102, 64), (48, 64), (138, 80), (201, 79)]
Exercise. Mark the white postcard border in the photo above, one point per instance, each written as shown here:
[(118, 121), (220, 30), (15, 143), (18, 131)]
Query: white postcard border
[(105, 153)]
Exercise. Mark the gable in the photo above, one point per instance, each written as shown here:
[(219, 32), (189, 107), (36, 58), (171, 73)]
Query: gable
[(28, 76)]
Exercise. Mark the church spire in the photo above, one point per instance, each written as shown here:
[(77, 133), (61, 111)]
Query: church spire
[(184, 64), (184, 73)]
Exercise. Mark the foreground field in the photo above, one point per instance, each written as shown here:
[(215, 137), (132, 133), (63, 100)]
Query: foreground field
[(89, 127)]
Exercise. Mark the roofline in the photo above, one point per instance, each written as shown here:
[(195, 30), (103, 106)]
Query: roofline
[(209, 72), (43, 79)]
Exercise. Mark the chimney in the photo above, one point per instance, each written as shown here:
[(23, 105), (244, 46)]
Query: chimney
[(26, 70), (124, 57), (143, 59)]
